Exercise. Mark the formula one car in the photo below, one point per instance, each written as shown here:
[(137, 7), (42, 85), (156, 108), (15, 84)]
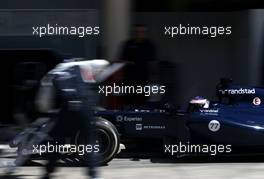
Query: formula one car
[(232, 124)]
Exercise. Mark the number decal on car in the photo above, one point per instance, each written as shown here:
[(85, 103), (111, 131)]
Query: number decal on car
[(214, 125)]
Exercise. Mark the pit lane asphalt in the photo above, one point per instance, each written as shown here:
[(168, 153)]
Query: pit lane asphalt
[(159, 169)]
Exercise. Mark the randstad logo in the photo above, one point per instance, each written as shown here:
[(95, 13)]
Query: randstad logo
[(238, 91)]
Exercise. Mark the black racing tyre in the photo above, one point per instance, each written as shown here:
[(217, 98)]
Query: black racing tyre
[(106, 137)]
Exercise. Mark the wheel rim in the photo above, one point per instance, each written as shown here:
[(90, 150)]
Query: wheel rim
[(102, 139)]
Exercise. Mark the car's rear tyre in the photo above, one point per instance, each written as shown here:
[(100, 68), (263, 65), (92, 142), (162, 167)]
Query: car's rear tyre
[(106, 137)]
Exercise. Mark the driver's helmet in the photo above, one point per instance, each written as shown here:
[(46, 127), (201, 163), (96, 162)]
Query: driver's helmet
[(200, 102)]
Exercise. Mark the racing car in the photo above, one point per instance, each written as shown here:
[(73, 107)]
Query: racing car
[(232, 124)]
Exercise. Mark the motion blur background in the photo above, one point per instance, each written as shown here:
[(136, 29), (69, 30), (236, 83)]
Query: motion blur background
[(188, 66)]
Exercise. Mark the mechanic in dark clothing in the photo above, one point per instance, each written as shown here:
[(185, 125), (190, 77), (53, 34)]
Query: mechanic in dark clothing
[(77, 102), (138, 51)]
